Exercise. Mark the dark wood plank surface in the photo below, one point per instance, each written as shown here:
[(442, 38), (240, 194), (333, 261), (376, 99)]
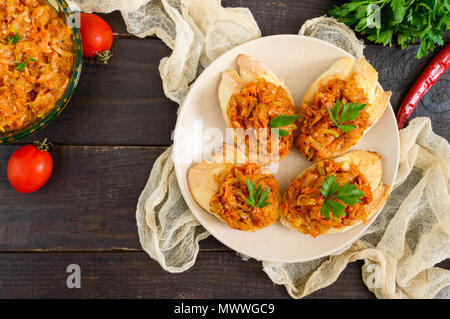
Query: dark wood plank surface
[(135, 275), (123, 103), (106, 141)]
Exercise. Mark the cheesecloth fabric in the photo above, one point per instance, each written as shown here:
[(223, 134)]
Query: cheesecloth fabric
[(400, 249)]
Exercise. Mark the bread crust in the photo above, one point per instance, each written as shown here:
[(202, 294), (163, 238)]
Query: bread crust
[(366, 78), (370, 165), (201, 180), (233, 81)]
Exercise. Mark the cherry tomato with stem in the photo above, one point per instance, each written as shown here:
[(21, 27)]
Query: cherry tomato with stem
[(30, 166), (96, 36)]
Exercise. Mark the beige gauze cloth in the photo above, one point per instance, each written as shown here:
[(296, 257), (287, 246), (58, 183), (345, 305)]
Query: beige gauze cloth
[(400, 249)]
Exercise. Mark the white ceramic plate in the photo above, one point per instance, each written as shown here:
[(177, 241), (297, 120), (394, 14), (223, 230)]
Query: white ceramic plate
[(299, 61)]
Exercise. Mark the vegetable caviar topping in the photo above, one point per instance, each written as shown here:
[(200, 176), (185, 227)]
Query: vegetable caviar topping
[(335, 120), (310, 198), (36, 60), (246, 198), (256, 106)]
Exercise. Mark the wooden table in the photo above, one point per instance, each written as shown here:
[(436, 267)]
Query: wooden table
[(106, 141)]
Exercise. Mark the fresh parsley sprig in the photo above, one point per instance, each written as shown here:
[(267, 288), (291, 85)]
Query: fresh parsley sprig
[(14, 39), (22, 66), (280, 121), (257, 197), (350, 112), (331, 190), (401, 21)]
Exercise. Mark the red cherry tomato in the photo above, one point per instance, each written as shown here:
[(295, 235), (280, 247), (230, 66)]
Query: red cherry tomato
[(29, 167), (96, 35)]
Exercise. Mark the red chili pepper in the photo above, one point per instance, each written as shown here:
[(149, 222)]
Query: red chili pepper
[(429, 76)]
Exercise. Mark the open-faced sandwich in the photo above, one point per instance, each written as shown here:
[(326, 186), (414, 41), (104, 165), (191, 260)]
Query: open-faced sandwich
[(339, 107), (243, 195), (258, 102), (335, 194)]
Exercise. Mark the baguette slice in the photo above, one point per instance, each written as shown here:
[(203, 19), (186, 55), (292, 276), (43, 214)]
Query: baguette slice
[(202, 182), (365, 77), (370, 165), (232, 81)]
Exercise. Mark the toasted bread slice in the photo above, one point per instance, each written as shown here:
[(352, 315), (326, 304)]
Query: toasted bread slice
[(202, 182), (370, 165), (366, 77), (232, 81)]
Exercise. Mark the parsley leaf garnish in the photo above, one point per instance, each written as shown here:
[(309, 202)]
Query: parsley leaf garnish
[(280, 121), (279, 132), (350, 112), (257, 197), (331, 190), (401, 21), (14, 39), (22, 66)]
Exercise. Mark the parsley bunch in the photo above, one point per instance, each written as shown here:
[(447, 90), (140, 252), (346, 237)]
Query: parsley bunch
[(257, 197), (401, 21), (331, 190)]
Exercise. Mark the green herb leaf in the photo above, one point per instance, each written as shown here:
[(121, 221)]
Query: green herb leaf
[(399, 9), (401, 21), (262, 202), (282, 120), (104, 56), (251, 192), (331, 190), (325, 210), (349, 194), (22, 66), (329, 186), (336, 208), (280, 133), (14, 39), (256, 198), (346, 128), (350, 112)]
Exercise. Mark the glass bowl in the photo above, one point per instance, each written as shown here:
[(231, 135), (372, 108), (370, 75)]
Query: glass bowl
[(63, 11)]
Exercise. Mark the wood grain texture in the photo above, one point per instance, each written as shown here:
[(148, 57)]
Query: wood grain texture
[(89, 203), (123, 103), (399, 69), (135, 275), (273, 17), (107, 140)]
